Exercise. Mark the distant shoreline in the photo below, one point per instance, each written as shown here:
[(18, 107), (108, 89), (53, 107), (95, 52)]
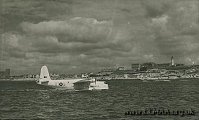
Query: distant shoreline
[(21, 79), (120, 79)]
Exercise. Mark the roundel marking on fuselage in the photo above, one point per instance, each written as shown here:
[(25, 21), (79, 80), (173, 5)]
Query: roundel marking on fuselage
[(61, 84)]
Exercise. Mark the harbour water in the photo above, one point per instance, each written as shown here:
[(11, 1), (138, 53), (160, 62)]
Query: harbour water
[(27, 100)]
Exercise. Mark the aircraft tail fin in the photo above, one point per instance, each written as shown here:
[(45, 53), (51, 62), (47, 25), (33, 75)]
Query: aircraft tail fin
[(44, 74)]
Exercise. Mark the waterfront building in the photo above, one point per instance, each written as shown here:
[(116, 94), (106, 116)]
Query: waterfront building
[(5, 74), (135, 67), (84, 75), (125, 74), (121, 68), (149, 65), (106, 72), (55, 76), (163, 65), (179, 64)]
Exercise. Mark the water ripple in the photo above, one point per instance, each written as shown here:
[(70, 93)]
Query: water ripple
[(30, 101)]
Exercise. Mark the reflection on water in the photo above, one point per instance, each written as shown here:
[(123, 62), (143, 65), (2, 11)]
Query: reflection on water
[(29, 100)]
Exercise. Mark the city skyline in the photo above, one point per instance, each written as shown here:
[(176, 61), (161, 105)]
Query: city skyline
[(75, 35)]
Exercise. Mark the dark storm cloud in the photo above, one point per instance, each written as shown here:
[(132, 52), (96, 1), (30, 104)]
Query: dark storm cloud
[(72, 35), (177, 29), (155, 8)]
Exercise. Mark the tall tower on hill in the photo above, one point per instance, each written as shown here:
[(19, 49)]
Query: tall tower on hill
[(172, 61)]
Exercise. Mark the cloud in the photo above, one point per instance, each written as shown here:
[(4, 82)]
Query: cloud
[(74, 29), (176, 30), (12, 45), (160, 21), (76, 35), (156, 8)]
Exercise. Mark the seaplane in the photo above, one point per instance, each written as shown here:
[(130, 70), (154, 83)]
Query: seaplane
[(70, 84)]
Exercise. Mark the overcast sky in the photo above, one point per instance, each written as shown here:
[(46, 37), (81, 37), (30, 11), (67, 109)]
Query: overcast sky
[(72, 36)]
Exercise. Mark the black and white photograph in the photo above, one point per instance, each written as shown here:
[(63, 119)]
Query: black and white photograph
[(99, 59)]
